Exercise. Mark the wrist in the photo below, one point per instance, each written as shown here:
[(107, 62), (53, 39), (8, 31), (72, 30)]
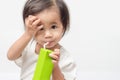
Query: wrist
[(57, 74), (28, 35)]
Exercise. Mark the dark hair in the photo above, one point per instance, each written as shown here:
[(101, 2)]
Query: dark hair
[(33, 7)]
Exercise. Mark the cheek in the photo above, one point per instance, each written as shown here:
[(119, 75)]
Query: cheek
[(58, 35), (38, 38)]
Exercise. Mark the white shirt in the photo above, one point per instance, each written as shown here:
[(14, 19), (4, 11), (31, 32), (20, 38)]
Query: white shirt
[(27, 63)]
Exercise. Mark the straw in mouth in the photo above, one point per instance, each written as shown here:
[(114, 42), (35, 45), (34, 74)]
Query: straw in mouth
[(44, 46)]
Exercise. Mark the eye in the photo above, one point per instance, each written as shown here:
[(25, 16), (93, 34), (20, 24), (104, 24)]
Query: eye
[(41, 29), (54, 26)]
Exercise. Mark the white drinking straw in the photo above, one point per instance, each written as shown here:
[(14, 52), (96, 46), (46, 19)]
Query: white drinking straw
[(44, 46)]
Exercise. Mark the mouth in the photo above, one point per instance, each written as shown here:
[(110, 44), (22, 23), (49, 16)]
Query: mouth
[(45, 44), (48, 42)]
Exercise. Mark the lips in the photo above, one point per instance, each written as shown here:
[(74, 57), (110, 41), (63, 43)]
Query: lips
[(49, 42)]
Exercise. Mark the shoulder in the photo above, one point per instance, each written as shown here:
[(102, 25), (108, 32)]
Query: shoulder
[(66, 57), (67, 64), (65, 53)]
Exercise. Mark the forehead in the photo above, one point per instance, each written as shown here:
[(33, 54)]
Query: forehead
[(49, 15)]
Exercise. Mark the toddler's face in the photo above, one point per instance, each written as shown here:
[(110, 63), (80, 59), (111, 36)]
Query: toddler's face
[(52, 30)]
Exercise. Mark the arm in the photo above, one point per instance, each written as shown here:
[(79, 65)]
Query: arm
[(16, 49), (67, 71), (57, 75)]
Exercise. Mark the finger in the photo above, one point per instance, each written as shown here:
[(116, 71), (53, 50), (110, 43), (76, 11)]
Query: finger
[(54, 61), (36, 23), (57, 52), (39, 27), (54, 57), (32, 19)]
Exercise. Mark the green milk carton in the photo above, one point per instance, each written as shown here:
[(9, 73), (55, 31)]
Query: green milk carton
[(44, 65)]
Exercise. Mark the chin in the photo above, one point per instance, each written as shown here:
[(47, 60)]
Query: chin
[(51, 47)]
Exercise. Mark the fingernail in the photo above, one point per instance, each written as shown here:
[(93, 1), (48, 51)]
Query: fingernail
[(50, 54), (30, 16), (56, 50)]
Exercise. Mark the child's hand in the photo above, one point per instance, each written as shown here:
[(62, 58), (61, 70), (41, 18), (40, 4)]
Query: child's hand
[(55, 56), (32, 24), (56, 74)]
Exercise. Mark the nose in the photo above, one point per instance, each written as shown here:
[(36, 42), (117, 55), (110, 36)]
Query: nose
[(48, 34)]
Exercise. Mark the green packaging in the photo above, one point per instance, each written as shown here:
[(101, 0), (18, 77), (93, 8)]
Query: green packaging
[(44, 65)]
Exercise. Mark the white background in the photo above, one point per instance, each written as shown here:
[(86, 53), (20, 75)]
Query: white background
[(93, 40)]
